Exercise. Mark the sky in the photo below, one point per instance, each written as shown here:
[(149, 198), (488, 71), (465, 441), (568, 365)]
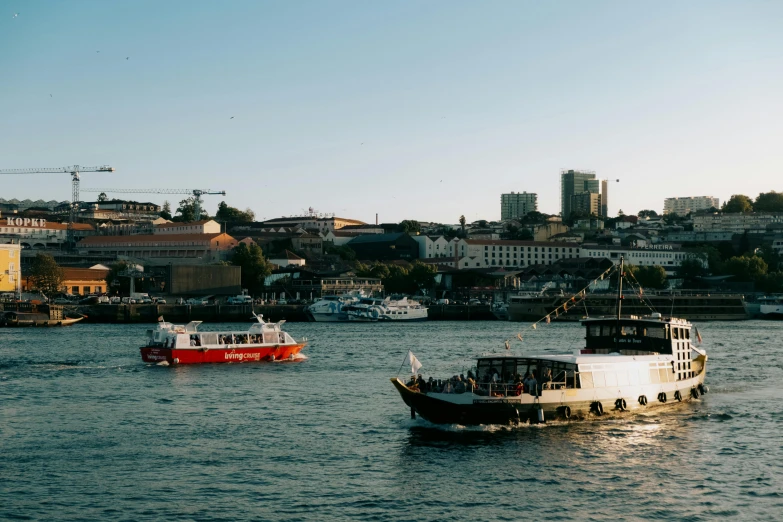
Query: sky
[(423, 110)]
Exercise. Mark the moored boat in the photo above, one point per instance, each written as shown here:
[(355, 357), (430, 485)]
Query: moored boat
[(184, 344), (373, 310), (771, 307), (21, 319), (330, 308), (628, 362)]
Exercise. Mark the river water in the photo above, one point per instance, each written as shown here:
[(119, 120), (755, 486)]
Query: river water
[(88, 431)]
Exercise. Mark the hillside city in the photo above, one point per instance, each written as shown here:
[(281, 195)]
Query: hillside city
[(692, 243)]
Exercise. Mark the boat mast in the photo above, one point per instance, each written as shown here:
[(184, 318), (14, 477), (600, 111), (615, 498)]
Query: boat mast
[(620, 275)]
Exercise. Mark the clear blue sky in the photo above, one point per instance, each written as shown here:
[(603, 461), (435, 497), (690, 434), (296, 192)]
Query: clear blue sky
[(414, 110)]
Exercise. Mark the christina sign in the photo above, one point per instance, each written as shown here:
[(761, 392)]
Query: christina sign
[(25, 222)]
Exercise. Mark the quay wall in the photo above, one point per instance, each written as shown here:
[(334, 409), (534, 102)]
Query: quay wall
[(149, 313)]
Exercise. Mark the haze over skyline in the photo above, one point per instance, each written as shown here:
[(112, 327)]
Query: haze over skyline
[(411, 110)]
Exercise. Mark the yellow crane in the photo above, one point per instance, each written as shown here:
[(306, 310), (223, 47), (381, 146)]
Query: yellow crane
[(74, 171)]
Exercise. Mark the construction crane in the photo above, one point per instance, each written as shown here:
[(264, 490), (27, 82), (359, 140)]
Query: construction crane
[(197, 193), (74, 172)]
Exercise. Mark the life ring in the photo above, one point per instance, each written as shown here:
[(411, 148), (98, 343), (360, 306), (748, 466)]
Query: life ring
[(597, 408), (620, 404), (643, 400), (565, 411), (662, 397), (694, 393), (677, 396)]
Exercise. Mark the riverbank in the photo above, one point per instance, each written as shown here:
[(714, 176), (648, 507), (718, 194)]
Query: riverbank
[(139, 313)]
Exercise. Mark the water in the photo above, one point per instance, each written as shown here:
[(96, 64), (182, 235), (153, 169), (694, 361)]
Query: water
[(87, 431)]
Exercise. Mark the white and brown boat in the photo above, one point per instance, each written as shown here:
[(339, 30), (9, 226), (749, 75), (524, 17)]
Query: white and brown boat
[(628, 362)]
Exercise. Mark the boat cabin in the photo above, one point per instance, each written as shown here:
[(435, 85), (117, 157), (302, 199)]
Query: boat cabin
[(170, 335)]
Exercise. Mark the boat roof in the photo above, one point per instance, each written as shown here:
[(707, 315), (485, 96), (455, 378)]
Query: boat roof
[(581, 358), (654, 318)]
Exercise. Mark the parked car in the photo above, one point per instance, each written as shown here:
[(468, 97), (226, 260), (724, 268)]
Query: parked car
[(282, 301), (197, 301), (115, 300), (104, 299)]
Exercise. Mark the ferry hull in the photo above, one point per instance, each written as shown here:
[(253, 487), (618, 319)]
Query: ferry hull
[(470, 409), (218, 355), (327, 317)]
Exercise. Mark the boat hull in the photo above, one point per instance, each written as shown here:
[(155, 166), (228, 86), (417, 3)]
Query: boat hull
[(41, 323), (472, 409), (320, 317), (155, 354)]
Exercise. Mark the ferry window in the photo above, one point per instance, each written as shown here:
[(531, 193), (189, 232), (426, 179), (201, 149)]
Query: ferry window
[(209, 338), (628, 330), (240, 339), (675, 333), (594, 330), (599, 379), (611, 378), (664, 374), (608, 331), (686, 334), (585, 380), (655, 377), (644, 376)]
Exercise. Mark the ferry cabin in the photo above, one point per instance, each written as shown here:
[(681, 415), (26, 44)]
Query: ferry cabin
[(175, 336)]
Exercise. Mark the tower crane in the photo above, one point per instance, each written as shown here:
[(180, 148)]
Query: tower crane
[(74, 172), (197, 193)]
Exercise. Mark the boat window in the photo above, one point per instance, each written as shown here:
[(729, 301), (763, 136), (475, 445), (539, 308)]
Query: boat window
[(611, 378), (509, 370), (609, 331), (686, 333), (270, 338), (675, 333), (209, 338), (240, 339), (655, 377), (655, 332), (628, 330), (586, 379), (599, 379), (644, 375), (663, 374), (594, 330)]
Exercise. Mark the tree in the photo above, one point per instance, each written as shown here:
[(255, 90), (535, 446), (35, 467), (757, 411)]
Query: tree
[(746, 269), (520, 234), (533, 217), (650, 276), (46, 276), (102, 196), (234, 215), (738, 203), (462, 222), (423, 275), (345, 252), (409, 226), (769, 202), (187, 211), (647, 214), (254, 266), (165, 212), (690, 270)]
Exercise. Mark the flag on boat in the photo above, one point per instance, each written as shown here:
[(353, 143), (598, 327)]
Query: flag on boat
[(547, 319), (698, 335), (519, 336), (534, 326), (413, 362), (508, 345)]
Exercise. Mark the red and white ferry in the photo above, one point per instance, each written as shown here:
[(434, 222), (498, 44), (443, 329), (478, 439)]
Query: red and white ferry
[(178, 344)]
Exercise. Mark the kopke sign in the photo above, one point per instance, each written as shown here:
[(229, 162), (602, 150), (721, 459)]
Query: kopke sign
[(25, 222)]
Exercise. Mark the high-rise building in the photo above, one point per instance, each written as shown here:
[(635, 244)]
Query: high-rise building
[(574, 182), (605, 198), (517, 204), (588, 203), (682, 206)]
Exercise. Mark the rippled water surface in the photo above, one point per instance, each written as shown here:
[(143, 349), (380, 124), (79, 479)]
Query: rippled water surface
[(88, 431)]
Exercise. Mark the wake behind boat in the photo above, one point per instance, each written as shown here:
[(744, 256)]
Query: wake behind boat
[(628, 363), (178, 344)]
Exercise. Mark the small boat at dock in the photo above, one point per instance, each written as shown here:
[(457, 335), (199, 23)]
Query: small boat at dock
[(185, 344)]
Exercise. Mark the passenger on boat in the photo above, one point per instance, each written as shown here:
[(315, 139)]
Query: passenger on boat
[(459, 386), (421, 383), (530, 384)]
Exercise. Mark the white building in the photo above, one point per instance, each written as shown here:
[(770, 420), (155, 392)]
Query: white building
[(431, 247), (517, 204), (206, 226), (40, 233), (777, 245), (286, 258), (683, 206), (484, 253), (670, 257), (313, 221), (736, 223)]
